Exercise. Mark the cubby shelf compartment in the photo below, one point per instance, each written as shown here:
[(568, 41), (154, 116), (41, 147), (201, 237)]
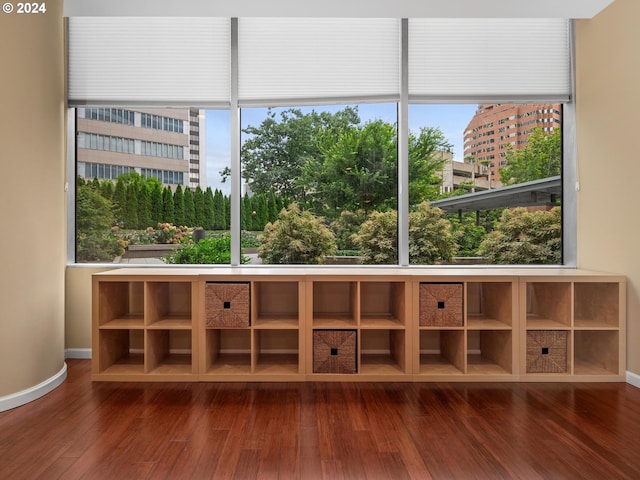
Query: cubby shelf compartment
[(168, 352), (383, 352), (121, 305), (489, 305), (169, 305), (120, 352), (382, 304), (276, 352), (489, 352), (548, 305), (442, 352), (227, 351), (596, 352), (275, 304), (335, 304), (596, 305)]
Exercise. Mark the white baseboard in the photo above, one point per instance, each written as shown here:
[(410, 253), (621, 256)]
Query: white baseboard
[(30, 394), (83, 353), (633, 379)]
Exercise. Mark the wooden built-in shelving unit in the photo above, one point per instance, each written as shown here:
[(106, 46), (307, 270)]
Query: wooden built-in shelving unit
[(151, 324)]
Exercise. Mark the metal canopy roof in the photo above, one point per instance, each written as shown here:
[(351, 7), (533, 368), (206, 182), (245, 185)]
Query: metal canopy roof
[(536, 192)]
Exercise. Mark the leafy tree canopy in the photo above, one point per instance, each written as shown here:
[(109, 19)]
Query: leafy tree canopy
[(540, 158)]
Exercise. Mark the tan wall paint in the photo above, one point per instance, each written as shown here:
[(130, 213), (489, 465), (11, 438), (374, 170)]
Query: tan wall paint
[(607, 105), (78, 306), (32, 243)]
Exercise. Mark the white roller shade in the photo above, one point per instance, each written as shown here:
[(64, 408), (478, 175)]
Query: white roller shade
[(156, 60), (290, 60), (489, 58)]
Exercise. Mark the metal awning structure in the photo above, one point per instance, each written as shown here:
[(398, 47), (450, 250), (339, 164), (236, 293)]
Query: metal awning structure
[(535, 193)]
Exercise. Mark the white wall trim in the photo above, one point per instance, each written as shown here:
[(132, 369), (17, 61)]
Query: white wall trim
[(30, 394), (633, 379), (82, 353)]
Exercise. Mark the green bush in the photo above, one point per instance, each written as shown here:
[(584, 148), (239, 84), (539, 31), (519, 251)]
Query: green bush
[(346, 226), (524, 238), (95, 239), (213, 250), (297, 237), (431, 238), (377, 238)]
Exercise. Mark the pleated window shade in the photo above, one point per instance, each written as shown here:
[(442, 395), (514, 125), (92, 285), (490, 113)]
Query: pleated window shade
[(480, 58), (157, 60), (287, 60)]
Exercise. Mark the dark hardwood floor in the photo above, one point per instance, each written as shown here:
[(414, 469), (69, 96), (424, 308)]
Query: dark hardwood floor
[(86, 430)]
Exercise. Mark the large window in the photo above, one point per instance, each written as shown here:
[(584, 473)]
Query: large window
[(336, 141)]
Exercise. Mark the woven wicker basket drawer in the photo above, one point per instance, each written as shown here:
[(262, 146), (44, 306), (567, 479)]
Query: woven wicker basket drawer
[(334, 351), (547, 351), (441, 305), (227, 305)]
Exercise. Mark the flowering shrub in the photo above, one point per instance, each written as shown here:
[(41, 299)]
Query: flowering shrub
[(169, 233)]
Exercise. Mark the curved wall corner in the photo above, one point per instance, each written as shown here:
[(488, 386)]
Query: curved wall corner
[(32, 195), (30, 394)]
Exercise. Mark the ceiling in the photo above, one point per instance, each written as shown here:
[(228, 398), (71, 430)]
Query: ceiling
[(339, 8)]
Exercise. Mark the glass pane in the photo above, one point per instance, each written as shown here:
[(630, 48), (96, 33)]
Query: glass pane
[(461, 159), (146, 199), (320, 184)]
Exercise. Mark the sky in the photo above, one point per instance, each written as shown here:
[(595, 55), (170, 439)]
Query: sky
[(452, 119)]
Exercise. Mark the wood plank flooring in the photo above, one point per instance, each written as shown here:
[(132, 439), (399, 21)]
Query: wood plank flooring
[(86, 430)]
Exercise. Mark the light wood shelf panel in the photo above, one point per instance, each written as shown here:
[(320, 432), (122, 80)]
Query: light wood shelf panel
[(277, 322), (125, 322), (538, 323), (479, 321), (548, 301)]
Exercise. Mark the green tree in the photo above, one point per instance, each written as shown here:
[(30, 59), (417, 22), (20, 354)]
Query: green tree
[(178, 206), (358, 169), (198, 205), (94, 219), (131, 206), (297, 237), (522, 238), (219, 212), (120, 200), (426, 157), (245, 212), (144, 205), (275, 152), (156, 201), (106, 189), (272, 206), (167, 206), (209, 209), (540, 158), (189, 209)]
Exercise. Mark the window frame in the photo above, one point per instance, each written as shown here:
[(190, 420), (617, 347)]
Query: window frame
[(569, 175)]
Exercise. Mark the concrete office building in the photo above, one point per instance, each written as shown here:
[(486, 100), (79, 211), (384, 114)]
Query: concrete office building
[(154, 142)]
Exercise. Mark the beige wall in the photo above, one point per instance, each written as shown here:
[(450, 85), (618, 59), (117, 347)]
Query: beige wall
[(32, 243), (608, 110), (608, 106)]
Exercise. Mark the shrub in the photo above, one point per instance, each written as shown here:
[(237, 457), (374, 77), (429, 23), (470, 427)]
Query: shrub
[(431, 238), (377, 238), (213, 250), (522, 238), (95, 239), (346, 226), (297, 237)]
